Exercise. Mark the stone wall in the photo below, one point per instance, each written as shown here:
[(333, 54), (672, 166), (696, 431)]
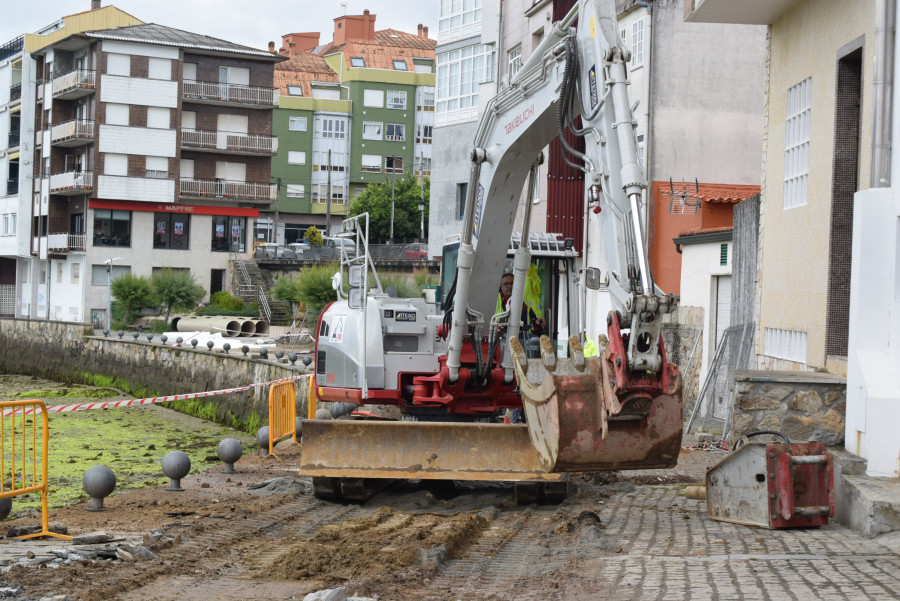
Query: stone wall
[(69, 352), (804, 406), (680, 332)]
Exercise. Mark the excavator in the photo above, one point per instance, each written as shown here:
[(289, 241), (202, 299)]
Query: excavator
[(605, 397)]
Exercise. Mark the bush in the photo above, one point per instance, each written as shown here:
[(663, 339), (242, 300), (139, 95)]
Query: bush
[(402, 283), (314, 285), (226, 301), (132, 292), (313, 236), (177, 290)]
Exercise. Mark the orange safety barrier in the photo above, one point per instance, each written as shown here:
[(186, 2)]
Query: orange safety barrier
[(19, 473), (282, 414), (311, 398)]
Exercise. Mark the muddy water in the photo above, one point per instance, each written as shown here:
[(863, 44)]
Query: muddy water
[(131, 441)]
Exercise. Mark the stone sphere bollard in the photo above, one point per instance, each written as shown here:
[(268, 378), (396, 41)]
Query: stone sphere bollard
[(105, 332), (292, 357), (226, 347), (163, 338), (264, 353), (135, 335), (5, 507), (298, 426), (194, 342), (306, 360), (98, 481), (279, 354), (176, 465), (210, 344), (120, 333), (229, 451), (149, 337), (262, 438), (179, 340), (245, 349)]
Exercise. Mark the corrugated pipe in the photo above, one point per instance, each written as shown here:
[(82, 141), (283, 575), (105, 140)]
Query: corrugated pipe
[(885, 21)]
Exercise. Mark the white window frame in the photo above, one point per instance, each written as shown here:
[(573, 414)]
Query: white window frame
[(399, 65), (425, 98), (297, 123), (296, 157), (395, 132), (295, 191), (396, 99), (333, 128), (424, 133), (459, 73), (393, 169), (156, 167), (373, 98), (370, 163), (295, 90), (637, 43), (797, 126), (514, 60), (373, 130), (458, 15), (357, 62)]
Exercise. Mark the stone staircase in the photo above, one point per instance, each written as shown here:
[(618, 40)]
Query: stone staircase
[(253, 285)]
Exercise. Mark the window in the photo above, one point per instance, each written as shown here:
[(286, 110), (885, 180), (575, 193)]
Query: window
[(457, 13), (320, 193), (12, 223), (295, 191), (99, 276), (331, 128), (425, 99), (118, 64), (76, 273), (514, 60), (459, 73), (157, 167), (373, 98), (371, 163), (321, 160), (6, 225), (423, 66), (117, 114), (112, 228), (461, 193), (785, 344), (372, 130), (297, 123), (59, 272), (423, 166), (296, 157), (395, 132), (723, 254), (796, 144), (400, 65), (189, 120), (357, 61), (171, 230), (228, 233), (115, 164), (160, 68), (190, 71), (424, 134), (637, 43), (295, 90), (157, 117), (396, 99), (393, 164)]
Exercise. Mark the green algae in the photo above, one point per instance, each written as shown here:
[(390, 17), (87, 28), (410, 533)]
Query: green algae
[(131, 441), (56, 393)]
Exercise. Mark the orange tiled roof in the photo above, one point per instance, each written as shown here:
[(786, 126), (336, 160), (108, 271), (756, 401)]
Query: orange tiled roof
[(708, 230), (388, 45), (300, 71), (719, 193)]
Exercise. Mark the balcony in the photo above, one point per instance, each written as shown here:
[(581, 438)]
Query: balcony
[(15, 92), (210, 189), (212, 92), (76, 132), (228, 142), (736, 11), (70, 183), (64, 243), (12, 186), (74, 84), (14, 138)]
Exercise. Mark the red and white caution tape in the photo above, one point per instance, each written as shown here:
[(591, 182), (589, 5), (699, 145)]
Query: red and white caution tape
[(145, 401)]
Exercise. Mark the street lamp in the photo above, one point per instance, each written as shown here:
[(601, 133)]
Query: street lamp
[(421, 218), (109, 292)]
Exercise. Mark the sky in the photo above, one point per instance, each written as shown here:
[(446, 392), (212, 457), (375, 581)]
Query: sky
[(251, 23)]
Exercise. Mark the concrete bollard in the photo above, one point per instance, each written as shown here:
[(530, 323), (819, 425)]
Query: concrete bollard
[(98, 481), (229, 451), (176, 465)]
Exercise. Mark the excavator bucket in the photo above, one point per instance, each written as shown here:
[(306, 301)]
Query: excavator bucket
[(577, 422)]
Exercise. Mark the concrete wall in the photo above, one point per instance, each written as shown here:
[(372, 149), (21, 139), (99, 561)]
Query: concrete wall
[(743, 269), (61, 351)]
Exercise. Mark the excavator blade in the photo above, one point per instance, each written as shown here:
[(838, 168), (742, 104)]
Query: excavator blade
[(419, 450), (577, 422)]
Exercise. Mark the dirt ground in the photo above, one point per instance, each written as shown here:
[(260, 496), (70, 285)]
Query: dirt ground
[(221, 539)]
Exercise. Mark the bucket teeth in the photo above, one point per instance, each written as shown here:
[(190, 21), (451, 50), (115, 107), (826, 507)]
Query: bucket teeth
[(548, 353), (518, 354), (576, 352)]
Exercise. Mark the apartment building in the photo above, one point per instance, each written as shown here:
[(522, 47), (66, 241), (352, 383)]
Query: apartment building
[(12, 63), (152, 151), (355, 111)]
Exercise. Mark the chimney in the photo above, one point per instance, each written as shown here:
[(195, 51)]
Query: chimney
[(354, 27), (294, 43), (425, 32), (272, 47), (95, 4), (420, 30)]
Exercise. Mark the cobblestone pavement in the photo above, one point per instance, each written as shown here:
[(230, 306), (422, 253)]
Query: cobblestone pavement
[(658, 545)]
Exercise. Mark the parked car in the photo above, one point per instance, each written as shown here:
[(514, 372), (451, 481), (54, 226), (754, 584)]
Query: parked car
[(272, 250), (416, 251), (328, 250)]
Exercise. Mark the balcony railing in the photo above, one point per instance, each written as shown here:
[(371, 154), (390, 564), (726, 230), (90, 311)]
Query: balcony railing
[(15, 91), (74, 83), (229, 190), (12, 186), (65, 242), (14, 138), (14, 46), (212, 91), (72, 133), (228, 141), (72, 182)]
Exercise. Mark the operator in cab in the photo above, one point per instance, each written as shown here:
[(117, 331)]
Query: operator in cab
[(532, 322)]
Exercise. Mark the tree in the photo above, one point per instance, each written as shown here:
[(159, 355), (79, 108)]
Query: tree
[(313, 236), (376, 201), (177, 289), (133, 292)]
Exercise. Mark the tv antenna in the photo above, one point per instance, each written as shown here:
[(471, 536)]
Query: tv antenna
[(683, 201), (344, 6)]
